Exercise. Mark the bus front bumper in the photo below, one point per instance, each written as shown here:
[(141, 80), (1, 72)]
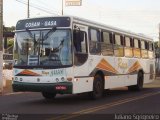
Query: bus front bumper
[(61, 88)]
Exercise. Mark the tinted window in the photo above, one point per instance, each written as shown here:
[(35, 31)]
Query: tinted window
[(80, 47)]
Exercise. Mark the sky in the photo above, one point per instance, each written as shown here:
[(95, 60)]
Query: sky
[(139, 16)]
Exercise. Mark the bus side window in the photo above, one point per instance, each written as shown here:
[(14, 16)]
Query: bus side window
[(94, 36), (78, 37), (137, 48), (144, 49), (80, 43), (118, 45), (106, 45), (128, 47), (150, 51), (80, 47)]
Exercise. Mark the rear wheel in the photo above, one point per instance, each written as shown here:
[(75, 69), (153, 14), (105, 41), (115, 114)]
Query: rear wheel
[(48, 95), (139, 85), (98, 88)]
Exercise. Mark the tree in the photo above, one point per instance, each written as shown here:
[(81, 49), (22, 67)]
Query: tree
[(8, 38), (9, 29), (10, 42), (156, 44)]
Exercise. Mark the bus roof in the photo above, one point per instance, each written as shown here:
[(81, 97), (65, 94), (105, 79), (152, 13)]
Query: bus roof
[(96, 25), (111, 28)]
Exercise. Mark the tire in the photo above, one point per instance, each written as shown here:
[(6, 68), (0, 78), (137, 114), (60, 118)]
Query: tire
[(48, 95), (140, 80), (139, 85), (98, 88)]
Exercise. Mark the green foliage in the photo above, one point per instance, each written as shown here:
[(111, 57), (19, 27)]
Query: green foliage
[(9, 29), (156, 44), (10, 42)]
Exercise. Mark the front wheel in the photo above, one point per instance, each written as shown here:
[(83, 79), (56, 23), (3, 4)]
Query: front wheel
[(97, 88), (48, 95)]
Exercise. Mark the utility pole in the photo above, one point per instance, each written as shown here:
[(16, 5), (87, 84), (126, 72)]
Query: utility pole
[(159, 36), (28, 14), (1, 46), (62, 7)]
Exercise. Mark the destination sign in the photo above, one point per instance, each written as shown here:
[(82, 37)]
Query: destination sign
[(46, 22)]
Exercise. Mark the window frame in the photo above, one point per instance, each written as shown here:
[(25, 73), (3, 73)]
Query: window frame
[(139, 43), (145, 49), (110, 36), (110, 33), (97, 30), (97, 42), (81, 57), (130, 39), (121, 43)]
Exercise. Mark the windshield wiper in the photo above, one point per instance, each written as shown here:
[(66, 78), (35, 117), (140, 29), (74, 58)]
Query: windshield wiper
[(29, 33), (49, 32), (33, 37), (35, 44)]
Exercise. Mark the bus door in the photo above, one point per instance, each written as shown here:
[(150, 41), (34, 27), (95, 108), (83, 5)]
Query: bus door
[(82, 82), (80, 50)]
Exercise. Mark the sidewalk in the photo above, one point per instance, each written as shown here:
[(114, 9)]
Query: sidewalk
[(7, 81), (8, 88), (154, 84)]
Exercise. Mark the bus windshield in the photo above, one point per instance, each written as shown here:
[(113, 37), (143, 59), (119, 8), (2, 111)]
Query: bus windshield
[(43, 48)]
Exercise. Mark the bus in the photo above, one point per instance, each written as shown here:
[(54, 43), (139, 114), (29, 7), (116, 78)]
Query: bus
[(71, 55)]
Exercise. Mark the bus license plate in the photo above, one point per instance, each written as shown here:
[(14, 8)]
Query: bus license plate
[(61, 87)]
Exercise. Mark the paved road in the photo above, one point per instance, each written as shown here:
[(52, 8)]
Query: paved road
[(116, 102)]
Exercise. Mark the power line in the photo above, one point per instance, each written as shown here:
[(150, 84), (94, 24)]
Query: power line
[(44, 3), (37, 7), (28, 12), (35, 4)]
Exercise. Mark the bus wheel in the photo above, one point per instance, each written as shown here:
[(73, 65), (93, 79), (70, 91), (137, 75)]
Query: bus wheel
[(48, 95), (97, 88), (139, 85)]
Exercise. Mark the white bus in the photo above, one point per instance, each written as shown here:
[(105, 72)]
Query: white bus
[(70, 55)]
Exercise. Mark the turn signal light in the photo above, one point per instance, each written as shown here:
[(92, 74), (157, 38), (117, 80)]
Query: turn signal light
[(69, 79)]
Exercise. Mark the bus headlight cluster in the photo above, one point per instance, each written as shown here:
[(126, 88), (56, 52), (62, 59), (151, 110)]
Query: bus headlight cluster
[(57, 79), (21, 79), (16, 79), (62, 79)]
